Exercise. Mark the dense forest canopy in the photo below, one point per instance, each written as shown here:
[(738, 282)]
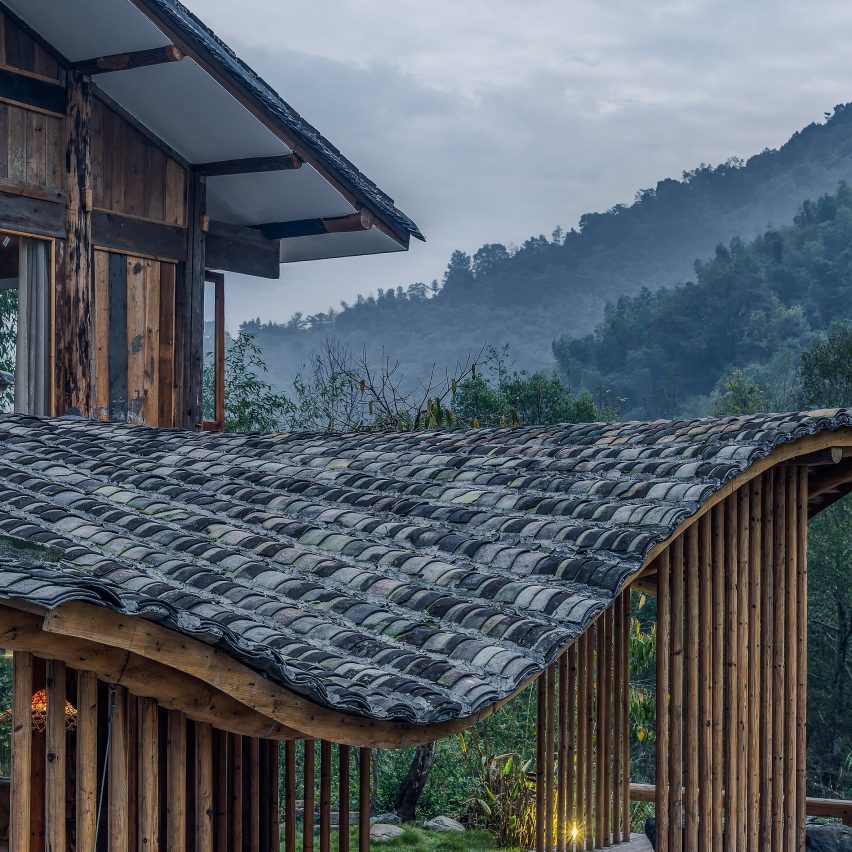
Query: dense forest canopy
[(549, 287)]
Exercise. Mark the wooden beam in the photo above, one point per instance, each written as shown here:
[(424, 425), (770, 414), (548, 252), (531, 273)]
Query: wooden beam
[(22, 738), (250, 165), (39, 216), (361, 221), (127, 61), (138, 237), (232, 248), (31, 92), (147, 678)]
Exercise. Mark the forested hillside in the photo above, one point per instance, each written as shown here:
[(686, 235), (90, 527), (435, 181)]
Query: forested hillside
[(752, 307), (556, 286)]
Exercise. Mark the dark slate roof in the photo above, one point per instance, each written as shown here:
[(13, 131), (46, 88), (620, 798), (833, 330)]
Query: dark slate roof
[(197, 33), (417, 576)]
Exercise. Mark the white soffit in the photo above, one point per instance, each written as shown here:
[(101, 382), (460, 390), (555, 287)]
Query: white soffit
[(351, 244), (183, 105), (284, 196), (86, 29)]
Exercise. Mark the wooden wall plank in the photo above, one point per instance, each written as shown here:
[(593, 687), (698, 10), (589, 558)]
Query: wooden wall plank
[(606, 748), (21, 740), (87, 760), (137, 269), (591, 743), (176, 758), (570, 732), (151, 349), (175, 194), (17, 144), (253, 799), (289, 796), (117, 344), (625, 725), (274, 830)]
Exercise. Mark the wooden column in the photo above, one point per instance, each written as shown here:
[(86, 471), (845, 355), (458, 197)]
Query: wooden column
[(663, 699), (550, 737), (562, 754), (289, 797), (732, 707), (364, 766), (203, 787), (308, 795), (22, 735), (274, 796), (176, 782), (87, 760), (801, 685), (540, 754), (343, 807), (237, 785), (779, 662), (591, 741), (325, 796), (570, 733), (691, 687), (705, 684), (55, 828), (676, 701), (617, 716), (767, 642), (792, 668), (755, 723), (581, 807), (625, 723), (606, 697), (221, 780), (718, 533), (742, 574), (147, 764), (118, 827), (74, 300), (191, 303)]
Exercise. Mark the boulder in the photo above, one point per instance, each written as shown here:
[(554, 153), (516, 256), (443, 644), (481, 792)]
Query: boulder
[(386, 819), (443, 823), (383, 831), (828, 837)]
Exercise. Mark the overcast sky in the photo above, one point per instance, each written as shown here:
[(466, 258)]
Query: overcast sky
[(490, 121)]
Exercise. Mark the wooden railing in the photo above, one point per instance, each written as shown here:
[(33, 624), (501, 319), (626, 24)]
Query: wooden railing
[(831, 808)]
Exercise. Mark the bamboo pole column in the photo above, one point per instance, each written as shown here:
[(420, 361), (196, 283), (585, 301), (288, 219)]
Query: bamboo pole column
[(325, 796), (732, 707), (148, 766), (343, 803), (617, 715), (573, 769)]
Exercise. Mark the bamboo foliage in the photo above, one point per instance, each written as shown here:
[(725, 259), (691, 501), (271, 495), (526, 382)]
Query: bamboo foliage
[(582, 744)]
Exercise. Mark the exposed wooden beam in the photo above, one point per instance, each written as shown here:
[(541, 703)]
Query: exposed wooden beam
[(361, 221), (232, 248), (127, 61), (138, 237), (250, 165), (32, 92)]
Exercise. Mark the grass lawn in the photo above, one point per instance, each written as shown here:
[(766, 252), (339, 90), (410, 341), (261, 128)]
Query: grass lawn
[(420, 840)]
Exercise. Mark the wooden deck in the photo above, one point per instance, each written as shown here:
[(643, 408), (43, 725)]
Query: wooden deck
[(638, 843)]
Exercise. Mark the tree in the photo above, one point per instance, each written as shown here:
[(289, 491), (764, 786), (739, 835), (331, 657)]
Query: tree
[(826, 369), (739, 394)]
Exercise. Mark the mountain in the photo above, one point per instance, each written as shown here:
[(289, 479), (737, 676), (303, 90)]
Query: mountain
[(557, 286)]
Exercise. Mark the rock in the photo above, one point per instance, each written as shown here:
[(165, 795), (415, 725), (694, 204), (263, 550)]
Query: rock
[(386, 819), (383, 831), (828, 837), (444, 823)]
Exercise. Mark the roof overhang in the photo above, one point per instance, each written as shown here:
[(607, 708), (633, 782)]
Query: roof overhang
[(190, 91)]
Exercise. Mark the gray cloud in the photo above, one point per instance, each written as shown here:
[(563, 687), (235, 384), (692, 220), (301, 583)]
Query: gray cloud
[(492, 121)]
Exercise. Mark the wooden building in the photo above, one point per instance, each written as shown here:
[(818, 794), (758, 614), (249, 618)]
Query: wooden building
[(188, 612)]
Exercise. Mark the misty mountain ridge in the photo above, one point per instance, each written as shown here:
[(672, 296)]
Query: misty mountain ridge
[(557, 287)]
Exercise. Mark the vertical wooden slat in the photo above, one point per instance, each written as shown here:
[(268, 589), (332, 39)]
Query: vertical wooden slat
[(237, 790), (743, 552), (582, 755), (22, 731), (203, 787), (562, 754), (289, 796), (220, 783), (308, 795), (767, 642), (600, 728), (132, 774), (147, 763), (550, 729), (779, 572), (718, 533), (591, 742), (118, 825), (663, 698), (364, 759), (676, 701), (571, 743), (792, 667), (274, 816), (625, 723), (176, 782), (607, 698), (254, 794), (755, 723), (343, 808), (87, 760), (705, 684), (325, 796), (732, 707), (691, 688), (801, 685), (540, 752), (617, 717)]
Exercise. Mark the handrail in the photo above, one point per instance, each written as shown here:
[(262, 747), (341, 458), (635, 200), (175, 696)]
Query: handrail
[(832, 808)]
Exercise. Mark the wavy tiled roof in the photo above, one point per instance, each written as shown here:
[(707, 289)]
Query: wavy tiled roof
[(415, 576)]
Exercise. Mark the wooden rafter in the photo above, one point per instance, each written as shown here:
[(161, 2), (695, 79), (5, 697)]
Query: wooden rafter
[(250, 165), (127, 61), (361, 221)]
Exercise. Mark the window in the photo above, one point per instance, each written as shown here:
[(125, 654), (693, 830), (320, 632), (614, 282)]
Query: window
[(24, 324)]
